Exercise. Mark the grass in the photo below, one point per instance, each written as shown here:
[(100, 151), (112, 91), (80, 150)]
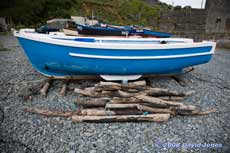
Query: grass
[(5, 33)]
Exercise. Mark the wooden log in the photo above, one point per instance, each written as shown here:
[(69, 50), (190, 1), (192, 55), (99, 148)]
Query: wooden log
[(198, 112), (45, 88), (158, 92), (171, 98), (96, 102), (184, 107), (96, 112), (103, 112), (87, 92), (152, 100), (133, 90), (204, 112), (122, 118), (120, 106), (91, 92), (64, 88), (128, 85), (165, 92), (107, 92), (107, 86), (155, 110), (81, 112), (128, 111), (135, 85), (49, 113), (118, 100), (126, 94), (119, 86), (164, 103)]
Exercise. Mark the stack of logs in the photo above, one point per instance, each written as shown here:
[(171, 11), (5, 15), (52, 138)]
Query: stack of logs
[(135, 101)]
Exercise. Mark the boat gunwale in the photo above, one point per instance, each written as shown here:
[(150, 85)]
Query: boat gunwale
[(115, 46)]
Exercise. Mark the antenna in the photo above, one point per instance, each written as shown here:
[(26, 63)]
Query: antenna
[(92, 15)]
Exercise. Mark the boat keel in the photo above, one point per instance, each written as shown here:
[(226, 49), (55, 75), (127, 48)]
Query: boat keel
[(123, 78)]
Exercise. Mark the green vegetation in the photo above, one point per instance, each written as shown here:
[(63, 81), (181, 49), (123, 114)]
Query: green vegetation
[(5, 33), (124, 12)]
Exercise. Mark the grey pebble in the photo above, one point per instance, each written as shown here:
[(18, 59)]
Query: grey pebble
[(26, 132)]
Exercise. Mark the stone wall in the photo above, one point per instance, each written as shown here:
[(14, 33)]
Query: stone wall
[(3, 25), (213, 22), (218, 16), (183, 20)]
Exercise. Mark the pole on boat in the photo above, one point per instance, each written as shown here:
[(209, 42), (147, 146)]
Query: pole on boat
[(202, 3)]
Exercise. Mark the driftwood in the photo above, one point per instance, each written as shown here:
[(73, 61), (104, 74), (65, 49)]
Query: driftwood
[(164, 103), (120, 106), (96, 112), (82, 112), (184, 107), (111, 89), (96, 102), (198, 113), (119, 86), (118, 100), (129, 111), (166, 92), (45, 88), (157, 92), (122, 118), (155, 110), (103, 112), (171, 98), (64, 88), (127, 95), (48, 113), (87, 92)]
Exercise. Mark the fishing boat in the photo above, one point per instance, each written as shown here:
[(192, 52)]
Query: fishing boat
[(102, 31), (113, 30), (111, 58), (155, 34)]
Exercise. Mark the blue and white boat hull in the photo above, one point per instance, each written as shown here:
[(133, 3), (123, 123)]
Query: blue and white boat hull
[(70, 56)]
